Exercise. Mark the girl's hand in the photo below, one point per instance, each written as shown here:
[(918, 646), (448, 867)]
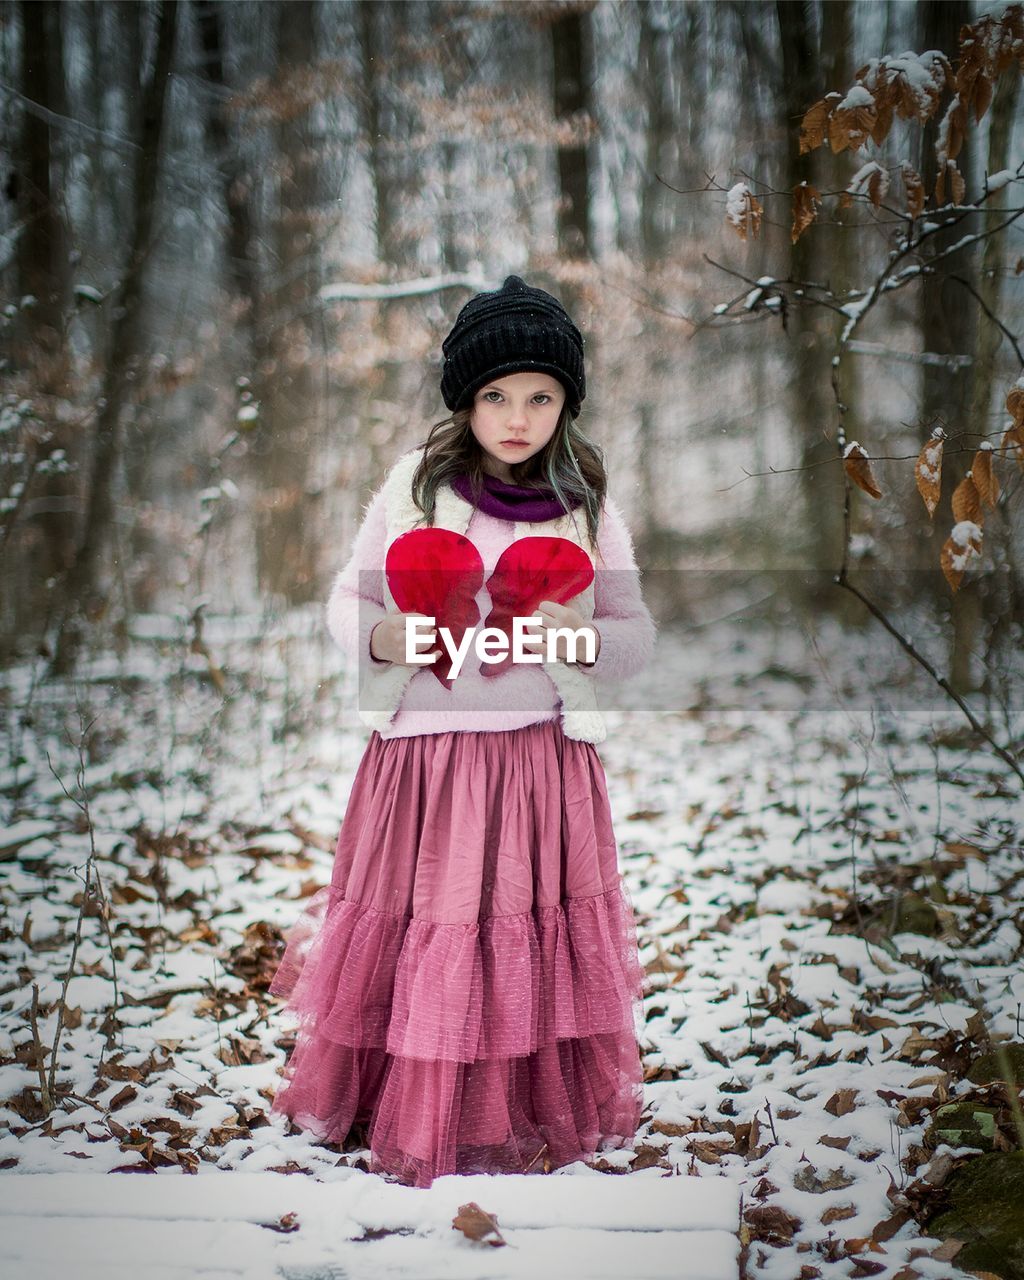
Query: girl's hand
[(387, 640), (559, 615)]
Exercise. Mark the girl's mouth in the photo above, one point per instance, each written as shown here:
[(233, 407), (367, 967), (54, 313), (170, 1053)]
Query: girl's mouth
[(517, 444)]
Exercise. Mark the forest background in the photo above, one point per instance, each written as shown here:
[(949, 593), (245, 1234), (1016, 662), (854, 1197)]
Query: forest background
[(232, 239), (235, 235)]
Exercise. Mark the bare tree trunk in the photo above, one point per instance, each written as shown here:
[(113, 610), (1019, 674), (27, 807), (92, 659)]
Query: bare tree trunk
[(989, 337), (81, 589), (41, 261), (655, 67), (995, 597), (377, 51), (947, 328), (571, 87), (946, 311), (812, 407), (286, 538), (39, 348), (236, 181), (379, 25)]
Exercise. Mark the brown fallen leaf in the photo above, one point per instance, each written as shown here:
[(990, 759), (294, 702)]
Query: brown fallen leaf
[(842, 1102), (868, 1267), (649, 1157), (287, 1223), (772, 1222), (888, 1227), (477, 1224)]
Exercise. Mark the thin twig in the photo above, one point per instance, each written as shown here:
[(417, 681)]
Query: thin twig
[(842, 579), (991, 315), (83, 805), (39, 1053)]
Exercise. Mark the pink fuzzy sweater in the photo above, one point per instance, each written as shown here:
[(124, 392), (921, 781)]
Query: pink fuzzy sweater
[(522, 694)]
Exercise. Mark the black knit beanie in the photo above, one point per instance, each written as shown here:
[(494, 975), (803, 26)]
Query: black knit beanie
[(510, 330)]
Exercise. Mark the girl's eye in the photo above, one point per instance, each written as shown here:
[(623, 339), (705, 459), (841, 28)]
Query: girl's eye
[(542, 397), (496, 394)]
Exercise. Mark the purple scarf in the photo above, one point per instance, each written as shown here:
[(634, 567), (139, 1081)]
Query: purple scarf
[(513, 502)]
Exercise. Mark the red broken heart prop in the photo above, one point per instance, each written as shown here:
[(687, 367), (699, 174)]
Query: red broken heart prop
[(527, 572), (437, 573)]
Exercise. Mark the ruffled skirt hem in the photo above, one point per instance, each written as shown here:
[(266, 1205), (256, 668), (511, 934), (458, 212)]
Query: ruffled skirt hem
[(504, 1044)]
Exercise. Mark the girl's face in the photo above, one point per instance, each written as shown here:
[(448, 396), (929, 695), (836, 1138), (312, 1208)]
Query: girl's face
[(514, 417)]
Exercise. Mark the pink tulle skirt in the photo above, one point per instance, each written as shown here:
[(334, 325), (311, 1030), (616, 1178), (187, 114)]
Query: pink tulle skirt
[(469, 986)]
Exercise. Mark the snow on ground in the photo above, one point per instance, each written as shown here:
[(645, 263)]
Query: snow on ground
[(789, 808), (267, 1224)]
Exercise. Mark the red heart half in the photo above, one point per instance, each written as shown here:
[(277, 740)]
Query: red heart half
[(438, 573), (528, 571)]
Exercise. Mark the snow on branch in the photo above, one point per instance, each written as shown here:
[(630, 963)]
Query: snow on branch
[(343, 291)]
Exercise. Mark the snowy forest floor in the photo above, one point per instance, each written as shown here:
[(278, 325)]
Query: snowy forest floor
[(826, 869)]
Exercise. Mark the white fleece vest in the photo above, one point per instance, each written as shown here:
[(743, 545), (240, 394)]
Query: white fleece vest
[(382, 687)]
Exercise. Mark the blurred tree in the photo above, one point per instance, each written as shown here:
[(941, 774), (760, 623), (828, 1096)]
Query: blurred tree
[(378, 120), (236, 181), (42, 265), (805, 54), (41, 255), (571, 90), (990, 282), (285, 382), (947, 319), (83, 593), (654, 74), (946, 314)]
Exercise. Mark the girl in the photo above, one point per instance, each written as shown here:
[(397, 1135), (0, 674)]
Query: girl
[(468, 986)]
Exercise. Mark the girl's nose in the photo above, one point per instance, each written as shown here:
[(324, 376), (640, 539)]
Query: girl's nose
[(517, 416)]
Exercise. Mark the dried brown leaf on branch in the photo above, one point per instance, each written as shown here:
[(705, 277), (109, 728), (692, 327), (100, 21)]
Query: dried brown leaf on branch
[(957, 185), (806, 202), (857, 466), (477, 1224), (1015, 402), (966, 502), (985, 480), (914, 86), (952, 131), (870, 180), (1013, 444), (914, 188), (849, 127), (928, 471), (814, 126), (995, 43), (743, 211), (961, 547)]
